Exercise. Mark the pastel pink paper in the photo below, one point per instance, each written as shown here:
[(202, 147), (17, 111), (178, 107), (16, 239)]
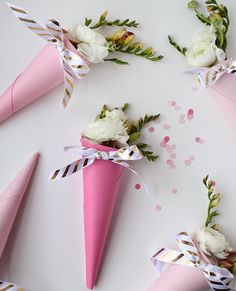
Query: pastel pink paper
[(11, 198), (180, 278), (224, 94), (101, 184), (41, 76)]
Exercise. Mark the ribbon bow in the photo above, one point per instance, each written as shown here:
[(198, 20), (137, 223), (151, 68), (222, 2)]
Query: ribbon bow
[(89, 155), (218, 278), (73, 64), (10, 287), (210, 76)]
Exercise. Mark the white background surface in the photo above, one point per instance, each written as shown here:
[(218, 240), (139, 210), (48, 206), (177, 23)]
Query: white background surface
[(45, 250)]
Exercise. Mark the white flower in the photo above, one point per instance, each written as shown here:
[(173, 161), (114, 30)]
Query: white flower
[(116, 113), (220, 55), (107, 129), (207, 34), (201, 54), (213, 242), (90, 43), (204, 52)]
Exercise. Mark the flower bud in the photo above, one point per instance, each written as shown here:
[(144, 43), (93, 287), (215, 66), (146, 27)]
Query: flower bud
[(193, 4)]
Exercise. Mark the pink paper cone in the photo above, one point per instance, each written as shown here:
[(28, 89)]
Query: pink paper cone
[(224, 94), (11, 198), (43, 74), (101, 184), (180, 278)]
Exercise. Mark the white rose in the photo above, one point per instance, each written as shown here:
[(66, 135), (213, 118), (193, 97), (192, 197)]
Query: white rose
[(90, 43), (207, 34), (201, 54), (107, 129), (116, 113), (213, 242)]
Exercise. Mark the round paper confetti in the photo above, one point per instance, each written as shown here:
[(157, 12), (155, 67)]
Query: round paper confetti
[(173, 156), (158, 208), (174, 190), (151, 129), (177, 108), (171, 164), (172, 103), (187, 162), (166, 126), (137, 186), (199, 140)]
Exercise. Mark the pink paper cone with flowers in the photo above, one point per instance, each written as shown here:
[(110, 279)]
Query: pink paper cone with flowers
[(205, 259), (108, 145), (207, 54), (69, 55)]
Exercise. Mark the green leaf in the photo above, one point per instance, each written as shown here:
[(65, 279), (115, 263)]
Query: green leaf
[(176, 46), (125, 107), (134, 137), (116, 61)]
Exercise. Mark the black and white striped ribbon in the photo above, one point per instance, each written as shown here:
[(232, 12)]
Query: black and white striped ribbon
[(218, 278), (74, 65)]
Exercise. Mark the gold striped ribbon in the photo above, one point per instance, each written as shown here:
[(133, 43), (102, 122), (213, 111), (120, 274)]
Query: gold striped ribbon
[(210, 76), (74, 65), (5, 286), (89, 155), (218, 278)]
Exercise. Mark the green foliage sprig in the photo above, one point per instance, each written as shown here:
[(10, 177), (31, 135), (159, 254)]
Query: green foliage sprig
[(175, 45), (214, 200), (102, 21), (218, 17), (134, 130), (136, 49)]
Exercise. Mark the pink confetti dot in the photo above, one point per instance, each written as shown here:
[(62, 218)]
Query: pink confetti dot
[(187, 162), (137, 186), (172, 103), (169, 149), (158, 120), (192, 158), (166, 126), (177, 108), (173, 156), (158, 208), (163, 144), (151, 129), (175, 191), (166, 139), (199, 140), (190, 114), (213, 183), (171, 164)]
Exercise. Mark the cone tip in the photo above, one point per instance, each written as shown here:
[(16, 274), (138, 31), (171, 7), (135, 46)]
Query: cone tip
[(90, 282)]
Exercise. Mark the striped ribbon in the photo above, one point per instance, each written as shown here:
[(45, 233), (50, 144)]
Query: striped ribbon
[(74, 65), (5, 286), (218, 278), (210, 76), (89, 155)]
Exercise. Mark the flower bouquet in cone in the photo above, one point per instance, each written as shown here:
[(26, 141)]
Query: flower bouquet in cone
[(205, 259), (207, 55), (68, 55), (107, 147), (10, 201)]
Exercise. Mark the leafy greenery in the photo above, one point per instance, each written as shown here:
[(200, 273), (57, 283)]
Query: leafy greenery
[(117, 61), (175, 45), (134, 130), (214, 200), (218, 17), (125, 45), (102, 21)]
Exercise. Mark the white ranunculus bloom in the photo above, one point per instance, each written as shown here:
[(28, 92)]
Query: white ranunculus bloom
[(90, 43), (213, 242), (116, 113), (201, 54), (220, 55), (107, 129), (207, 34)]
